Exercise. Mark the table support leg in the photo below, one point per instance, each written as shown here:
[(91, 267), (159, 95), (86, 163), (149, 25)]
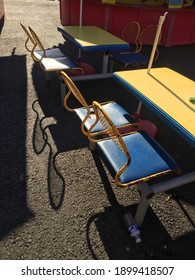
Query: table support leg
[(141, 210), (105, 62), (146, 194), (139, 107)]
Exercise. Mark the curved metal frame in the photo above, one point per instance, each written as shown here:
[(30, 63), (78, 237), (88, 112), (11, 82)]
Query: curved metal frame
[(140, 39), (127, 30), (29, 38), (39, 44), (72, 88), (113, 132)]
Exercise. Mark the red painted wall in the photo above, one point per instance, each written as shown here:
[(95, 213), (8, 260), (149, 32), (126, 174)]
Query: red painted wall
[(178, 28)]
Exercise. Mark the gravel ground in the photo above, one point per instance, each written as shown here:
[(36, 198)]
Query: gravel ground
[(57, 199)]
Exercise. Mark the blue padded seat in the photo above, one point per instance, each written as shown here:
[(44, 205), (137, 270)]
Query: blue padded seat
[(129, 58), (147, 157), (118, 115), (86, 113)]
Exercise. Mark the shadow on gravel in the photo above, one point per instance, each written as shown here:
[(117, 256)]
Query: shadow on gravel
[(2, 23), (2, 15), (55, 130), (56, 182), (65, 127), (13, 88)]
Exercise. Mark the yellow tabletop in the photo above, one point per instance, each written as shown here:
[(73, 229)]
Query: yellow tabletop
[(92, 38), (167, 92)]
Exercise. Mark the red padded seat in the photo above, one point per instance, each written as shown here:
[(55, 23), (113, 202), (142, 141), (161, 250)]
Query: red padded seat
[(87, 70)]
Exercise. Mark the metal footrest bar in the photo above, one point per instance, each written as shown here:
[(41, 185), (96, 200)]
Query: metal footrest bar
[(149, 191)]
